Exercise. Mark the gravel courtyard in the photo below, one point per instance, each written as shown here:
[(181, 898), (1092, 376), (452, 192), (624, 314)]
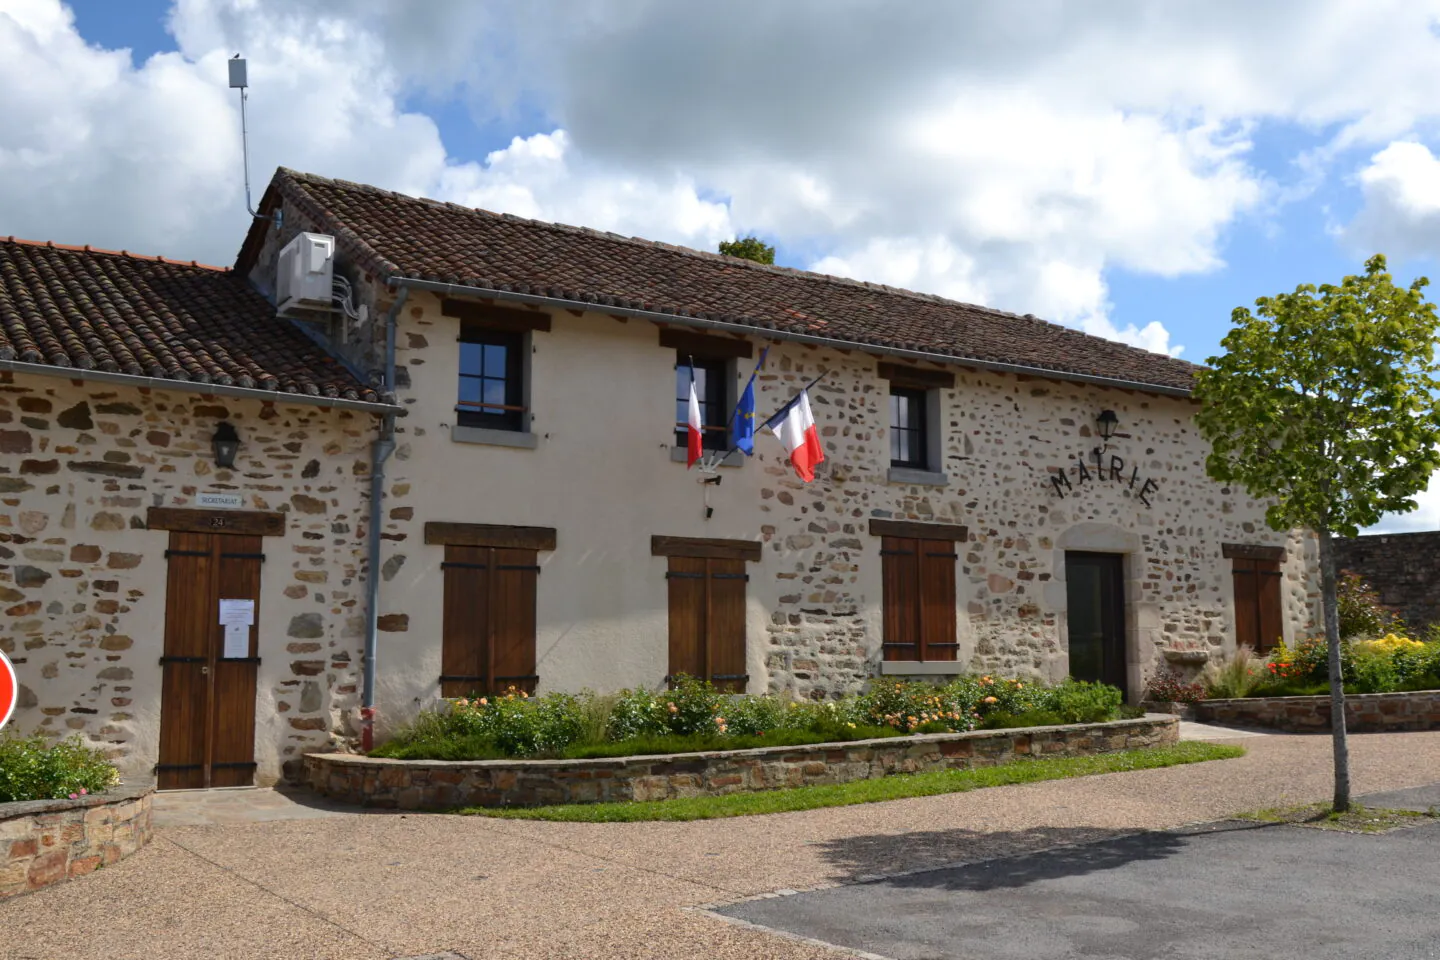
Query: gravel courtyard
[(256, 876)]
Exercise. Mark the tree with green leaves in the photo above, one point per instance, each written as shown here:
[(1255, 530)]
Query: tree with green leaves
[(748, 248), (1324, 404)]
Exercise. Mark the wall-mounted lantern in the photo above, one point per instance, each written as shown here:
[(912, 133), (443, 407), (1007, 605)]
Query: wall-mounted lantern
[(1106, 422), (227, 444)]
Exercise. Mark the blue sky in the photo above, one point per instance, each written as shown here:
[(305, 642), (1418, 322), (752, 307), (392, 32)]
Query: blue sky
[(1136, 169)]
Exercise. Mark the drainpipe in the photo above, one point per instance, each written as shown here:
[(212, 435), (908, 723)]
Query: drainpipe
[(380, 451)]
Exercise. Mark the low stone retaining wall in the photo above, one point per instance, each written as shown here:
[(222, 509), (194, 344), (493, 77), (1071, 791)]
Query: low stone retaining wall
[(49, 841), (1364, 712), (440, 784)]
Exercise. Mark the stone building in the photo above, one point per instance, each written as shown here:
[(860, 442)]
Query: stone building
[(536, 523)]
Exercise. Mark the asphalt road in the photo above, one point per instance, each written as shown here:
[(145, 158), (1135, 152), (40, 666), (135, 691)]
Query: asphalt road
[(1228, 890)]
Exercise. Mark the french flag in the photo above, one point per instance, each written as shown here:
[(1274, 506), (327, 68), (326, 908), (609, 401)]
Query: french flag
[(795, 426), (693, 445)]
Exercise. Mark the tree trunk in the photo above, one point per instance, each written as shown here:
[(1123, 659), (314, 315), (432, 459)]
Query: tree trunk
[(1337, 680)]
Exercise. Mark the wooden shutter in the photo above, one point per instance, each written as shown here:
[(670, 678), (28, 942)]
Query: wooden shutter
[(488, 631), (918, 598), (937, 600), (707, 620), (900, 569), (1258, 619)]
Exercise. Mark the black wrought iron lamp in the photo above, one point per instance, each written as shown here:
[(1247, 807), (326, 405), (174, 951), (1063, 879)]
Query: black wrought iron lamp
[(227, 444), (1106, 423)]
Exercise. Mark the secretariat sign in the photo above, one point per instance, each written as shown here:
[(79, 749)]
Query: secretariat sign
[(1096, 468)]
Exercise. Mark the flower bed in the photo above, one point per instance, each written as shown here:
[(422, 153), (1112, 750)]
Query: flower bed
[(1364, 713), (438, 784), (50, 841), (694, 717)]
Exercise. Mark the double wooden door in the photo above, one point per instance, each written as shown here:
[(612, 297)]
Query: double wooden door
[(207, 707)]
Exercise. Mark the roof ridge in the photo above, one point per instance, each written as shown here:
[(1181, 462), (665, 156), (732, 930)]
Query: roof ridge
[(813, 276), (74, 248)]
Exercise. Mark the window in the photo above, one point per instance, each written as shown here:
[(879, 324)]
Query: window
[(711, 379), (488, 629), (1255, 573), (908, 428), (492, 365), (706, 582)]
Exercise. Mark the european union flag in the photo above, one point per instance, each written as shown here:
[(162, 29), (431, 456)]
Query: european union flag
[(742, 424)]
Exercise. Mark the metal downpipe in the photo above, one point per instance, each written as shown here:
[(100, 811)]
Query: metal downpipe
[(380, 451)]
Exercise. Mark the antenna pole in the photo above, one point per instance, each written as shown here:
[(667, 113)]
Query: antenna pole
[(245, 153), (239, 81)]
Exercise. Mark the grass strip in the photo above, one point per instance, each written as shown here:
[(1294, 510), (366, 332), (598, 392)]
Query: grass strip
[(1357, 819), (897, 787)]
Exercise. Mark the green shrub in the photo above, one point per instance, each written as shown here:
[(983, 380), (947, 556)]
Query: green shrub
[(34, 768), (754, 716), (1004, 720), (692, 706), (1076, 701)]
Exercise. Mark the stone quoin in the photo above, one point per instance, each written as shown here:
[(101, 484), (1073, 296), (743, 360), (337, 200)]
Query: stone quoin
[(508, 419)]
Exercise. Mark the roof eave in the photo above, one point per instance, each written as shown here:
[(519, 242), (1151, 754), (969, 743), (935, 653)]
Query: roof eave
[(192, 386), (467, 290)]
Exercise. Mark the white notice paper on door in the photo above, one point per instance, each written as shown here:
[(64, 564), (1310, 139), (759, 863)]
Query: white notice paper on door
[(237, 612), (237, 641)]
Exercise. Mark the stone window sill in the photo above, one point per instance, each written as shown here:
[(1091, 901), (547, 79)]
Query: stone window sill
[(920, 668), (495, 438), (928, 478), (735, 459)]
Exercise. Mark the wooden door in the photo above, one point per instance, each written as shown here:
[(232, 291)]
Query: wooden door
[(488, 631), (207, 700), (707, 620), (1095, 593)]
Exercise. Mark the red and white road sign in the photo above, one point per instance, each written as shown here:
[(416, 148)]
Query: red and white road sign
[(9, 688)]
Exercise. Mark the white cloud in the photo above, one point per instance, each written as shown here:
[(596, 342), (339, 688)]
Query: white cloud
[(542, 178), (1401, 211)]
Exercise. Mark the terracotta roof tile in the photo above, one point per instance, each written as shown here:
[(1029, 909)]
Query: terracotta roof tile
[(400, 236), (120, 313)]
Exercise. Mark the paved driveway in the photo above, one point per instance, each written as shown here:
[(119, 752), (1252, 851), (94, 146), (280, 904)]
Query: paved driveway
[(1232, 889), (357, 885)]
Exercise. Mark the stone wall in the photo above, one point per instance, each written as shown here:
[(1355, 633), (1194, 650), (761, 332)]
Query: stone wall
[(83, 582), (50, 841), (421, 784), (1404, 568), (1364, 713)]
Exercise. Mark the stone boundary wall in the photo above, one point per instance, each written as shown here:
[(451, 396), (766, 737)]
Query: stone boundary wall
[(50, 841), (1364, 712), (440, 784), (1404, 568)]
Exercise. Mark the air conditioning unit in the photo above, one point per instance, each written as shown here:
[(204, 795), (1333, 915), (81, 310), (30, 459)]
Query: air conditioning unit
[(303, 277)]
